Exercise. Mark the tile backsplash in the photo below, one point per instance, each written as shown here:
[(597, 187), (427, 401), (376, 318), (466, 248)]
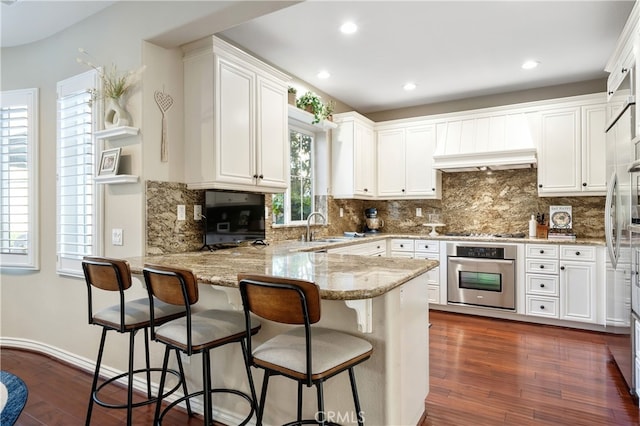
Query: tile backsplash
[(500, 202)]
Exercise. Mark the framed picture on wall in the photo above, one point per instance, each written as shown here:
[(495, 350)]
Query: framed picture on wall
[(109, 160)]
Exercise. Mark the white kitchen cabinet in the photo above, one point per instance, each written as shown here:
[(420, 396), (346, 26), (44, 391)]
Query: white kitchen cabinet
[(353, 157), (405, 162), (571, 150), (578, 284), (430, 249), (236, 120), (542, 281), (578, 291), (561, 282)]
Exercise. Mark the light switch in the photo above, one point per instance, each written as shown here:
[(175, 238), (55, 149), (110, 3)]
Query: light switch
[(116, 236), (341, 212), (197, 212), (418, 212), (182, 212)]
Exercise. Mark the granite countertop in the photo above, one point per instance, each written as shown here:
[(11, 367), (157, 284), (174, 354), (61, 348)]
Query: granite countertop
[(340, 277)]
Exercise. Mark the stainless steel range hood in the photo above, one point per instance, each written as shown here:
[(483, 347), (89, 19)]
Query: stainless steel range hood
[(489, 142)]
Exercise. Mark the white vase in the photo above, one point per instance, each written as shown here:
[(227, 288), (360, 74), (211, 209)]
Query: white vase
[(115, 115)]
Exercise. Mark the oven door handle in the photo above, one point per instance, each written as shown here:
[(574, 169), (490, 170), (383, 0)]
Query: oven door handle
[(480, 260)]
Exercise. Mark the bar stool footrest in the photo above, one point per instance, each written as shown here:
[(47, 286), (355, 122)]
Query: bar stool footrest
[(217, 390), (310, 422), (147, 401)]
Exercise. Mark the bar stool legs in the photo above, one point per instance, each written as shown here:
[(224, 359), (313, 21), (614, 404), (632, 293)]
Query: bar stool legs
[(95, 389)]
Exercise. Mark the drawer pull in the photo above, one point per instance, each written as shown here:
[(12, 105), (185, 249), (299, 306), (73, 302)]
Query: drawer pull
[(541, 266), (577, 253), (541, 285), (542, 307), (541, 251)]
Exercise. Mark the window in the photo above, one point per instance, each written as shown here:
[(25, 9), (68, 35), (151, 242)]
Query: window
[(295, 205), (78, 206), (18, 185)]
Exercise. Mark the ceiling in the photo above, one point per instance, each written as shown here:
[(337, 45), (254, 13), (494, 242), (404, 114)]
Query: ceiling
[(449, 49)]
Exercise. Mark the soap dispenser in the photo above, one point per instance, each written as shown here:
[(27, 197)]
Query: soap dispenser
[(532, 227)]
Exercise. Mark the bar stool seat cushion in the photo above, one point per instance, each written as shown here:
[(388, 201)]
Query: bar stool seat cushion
[(136, 313), (330, 349), (209, 328)]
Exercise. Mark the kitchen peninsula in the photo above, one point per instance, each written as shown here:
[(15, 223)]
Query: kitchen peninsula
[(382, 299)]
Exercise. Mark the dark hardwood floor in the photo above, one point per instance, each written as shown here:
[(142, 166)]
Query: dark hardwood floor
[(493, 372), (483, 372)]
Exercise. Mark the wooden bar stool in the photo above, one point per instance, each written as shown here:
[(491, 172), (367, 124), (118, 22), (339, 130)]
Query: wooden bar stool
[(308, 355), (196, 333), (125, 317)]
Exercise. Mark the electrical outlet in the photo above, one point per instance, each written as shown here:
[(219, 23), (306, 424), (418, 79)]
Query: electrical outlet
[(418, 212), (341, 212), (116, 236), (197, 212), (182, 212)]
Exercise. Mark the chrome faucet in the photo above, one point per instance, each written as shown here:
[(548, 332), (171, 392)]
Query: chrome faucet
[(324, 219)]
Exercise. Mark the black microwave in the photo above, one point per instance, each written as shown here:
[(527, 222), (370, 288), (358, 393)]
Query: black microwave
[(233, 217)]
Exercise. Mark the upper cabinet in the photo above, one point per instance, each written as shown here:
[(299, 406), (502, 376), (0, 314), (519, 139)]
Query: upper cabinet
[(405, 162), (353, 157), (236, 115), (571, 149)]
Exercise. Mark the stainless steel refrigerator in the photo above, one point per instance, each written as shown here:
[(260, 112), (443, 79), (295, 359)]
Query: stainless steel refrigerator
[(620, 215)]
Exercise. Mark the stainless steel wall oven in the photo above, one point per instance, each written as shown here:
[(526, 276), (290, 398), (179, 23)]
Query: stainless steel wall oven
[(481, 274)]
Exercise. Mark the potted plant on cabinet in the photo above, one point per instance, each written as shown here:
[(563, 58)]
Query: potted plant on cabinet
[(311, 102), (328, 110), (291, 92)]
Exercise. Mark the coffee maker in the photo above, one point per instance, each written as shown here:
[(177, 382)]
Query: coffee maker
[(372, 222)]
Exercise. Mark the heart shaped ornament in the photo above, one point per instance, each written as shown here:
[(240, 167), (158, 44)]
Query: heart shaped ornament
[(164, 102)]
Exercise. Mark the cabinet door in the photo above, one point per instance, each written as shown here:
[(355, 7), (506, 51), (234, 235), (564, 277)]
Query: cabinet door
[(578, 291), (559, 151), (420, 142), (272, 147), (365, 161), (594, 177), (235, 155), (391, 163)]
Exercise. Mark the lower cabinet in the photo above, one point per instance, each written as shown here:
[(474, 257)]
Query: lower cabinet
[(561, 282), (421, 249)]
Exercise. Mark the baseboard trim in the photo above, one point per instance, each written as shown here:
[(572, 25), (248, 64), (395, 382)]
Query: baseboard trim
[(107, 372)]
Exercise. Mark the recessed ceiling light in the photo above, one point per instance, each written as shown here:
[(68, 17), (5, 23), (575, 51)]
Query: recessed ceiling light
[(529, 65), (409, 86), (324, 74), (348, 28)]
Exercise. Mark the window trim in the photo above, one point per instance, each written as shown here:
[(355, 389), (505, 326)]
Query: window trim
[(32, 260), (85, 81), (296, 126)]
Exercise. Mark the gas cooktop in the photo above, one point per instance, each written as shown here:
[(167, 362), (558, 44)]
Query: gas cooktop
[(485, 235)]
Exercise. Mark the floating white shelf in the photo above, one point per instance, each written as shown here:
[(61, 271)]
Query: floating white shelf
[(117, 133), (116, 179), (306, 117)]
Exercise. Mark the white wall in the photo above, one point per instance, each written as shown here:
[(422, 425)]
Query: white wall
[(42, 306)]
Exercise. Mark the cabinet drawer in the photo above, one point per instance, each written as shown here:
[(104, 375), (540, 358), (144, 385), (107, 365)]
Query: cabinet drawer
[(546, 285), (426, 255), (427, 246), (585, 253), (542, 251), (404, 254), (542, 306), (542, 266), (402, 245)]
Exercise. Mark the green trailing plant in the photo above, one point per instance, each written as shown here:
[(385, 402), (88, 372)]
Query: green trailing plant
[(328, 109), (292, 90), (312, 103)]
